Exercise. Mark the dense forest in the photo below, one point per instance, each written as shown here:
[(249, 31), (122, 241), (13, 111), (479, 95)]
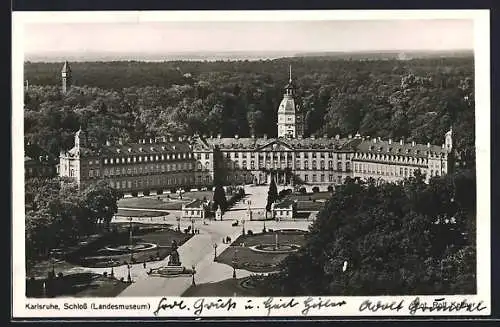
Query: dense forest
[(416, 99), (388, 239)]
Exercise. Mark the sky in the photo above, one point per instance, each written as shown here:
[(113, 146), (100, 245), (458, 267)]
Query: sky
[(300, 36)]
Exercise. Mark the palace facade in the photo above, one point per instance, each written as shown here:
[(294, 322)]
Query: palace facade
[(160, 164)]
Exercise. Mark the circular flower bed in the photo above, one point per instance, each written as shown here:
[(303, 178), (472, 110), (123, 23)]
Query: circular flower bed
[(128, 248)]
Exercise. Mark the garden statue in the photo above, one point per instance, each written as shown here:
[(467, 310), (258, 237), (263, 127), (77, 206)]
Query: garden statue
[(174, 256)]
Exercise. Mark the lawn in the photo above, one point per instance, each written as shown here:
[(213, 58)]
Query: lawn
[(152, 203), (140, 213), (310, 196), (96, 254), (253, 261), (164, 201), (225, 288), (76, 285), (309, 206)]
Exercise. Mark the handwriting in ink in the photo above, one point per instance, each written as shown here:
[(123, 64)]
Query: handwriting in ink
[(441, 305), (318, 303), (164, 305), (201, 304), (270, 304), (381, 306)]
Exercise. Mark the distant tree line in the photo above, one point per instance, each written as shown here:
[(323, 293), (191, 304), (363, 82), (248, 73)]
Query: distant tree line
[(415, 99)]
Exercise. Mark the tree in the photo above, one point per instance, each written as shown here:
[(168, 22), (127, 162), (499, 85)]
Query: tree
[(219, 200), (393, 244), (272, 194), (100, 204)]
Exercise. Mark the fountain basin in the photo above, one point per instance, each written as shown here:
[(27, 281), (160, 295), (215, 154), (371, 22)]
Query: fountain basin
[(271, 248)]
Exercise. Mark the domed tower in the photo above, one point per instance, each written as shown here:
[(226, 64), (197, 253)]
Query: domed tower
[(66, 77), (290, 122)]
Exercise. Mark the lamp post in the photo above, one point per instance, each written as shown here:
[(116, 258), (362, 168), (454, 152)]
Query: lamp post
[(215, 251), (192, 226), (112, 272), (178, 224), (194, 271), (243, 224), (130, 234), (129, 278), (234, 261)]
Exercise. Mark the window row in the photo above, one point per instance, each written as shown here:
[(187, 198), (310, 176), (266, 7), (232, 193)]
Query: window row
[(160, 181), (284, 155), (145, 158), (391, 158), (117, 171), (298, 165)]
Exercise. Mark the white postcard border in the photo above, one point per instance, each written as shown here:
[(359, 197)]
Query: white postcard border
[(352, 306)]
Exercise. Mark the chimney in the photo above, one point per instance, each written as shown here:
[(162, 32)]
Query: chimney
[(390, 141), (401, 142), (265, 136), (428, 144), (350, 136), (374, 140), (120, 141), (180, 138), (379, 139), (442, 146), (150, 140), (253, 135), (313, 137), (108, 143), (337, 137), (325, 136), (129, 149), (170, 139), (412, 143), (219, 136), (236, 136), (47, 157)]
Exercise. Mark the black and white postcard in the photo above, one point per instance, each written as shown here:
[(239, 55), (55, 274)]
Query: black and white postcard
[(251, 164)]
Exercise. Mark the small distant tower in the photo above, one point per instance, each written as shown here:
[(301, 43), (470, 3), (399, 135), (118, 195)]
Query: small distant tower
[(448, 140), (66, 77)]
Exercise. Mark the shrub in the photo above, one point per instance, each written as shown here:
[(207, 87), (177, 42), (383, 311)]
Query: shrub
[(125, 262), (263, 230), (249, 232), (146, 193), (330, 188), (134, 194), (302, 190), (122, 279), (315, 189), (105, 274), (60, 275), (133, 260), (160, 191)]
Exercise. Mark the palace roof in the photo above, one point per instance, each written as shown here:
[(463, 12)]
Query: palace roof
[(377, 146)]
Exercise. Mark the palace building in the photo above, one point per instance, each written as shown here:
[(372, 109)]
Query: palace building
[(160, 164)]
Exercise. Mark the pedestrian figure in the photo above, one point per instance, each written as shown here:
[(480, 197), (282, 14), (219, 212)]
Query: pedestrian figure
[(144, 264)]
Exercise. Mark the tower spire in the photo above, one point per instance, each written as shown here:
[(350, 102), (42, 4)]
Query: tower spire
[(290, 80)]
